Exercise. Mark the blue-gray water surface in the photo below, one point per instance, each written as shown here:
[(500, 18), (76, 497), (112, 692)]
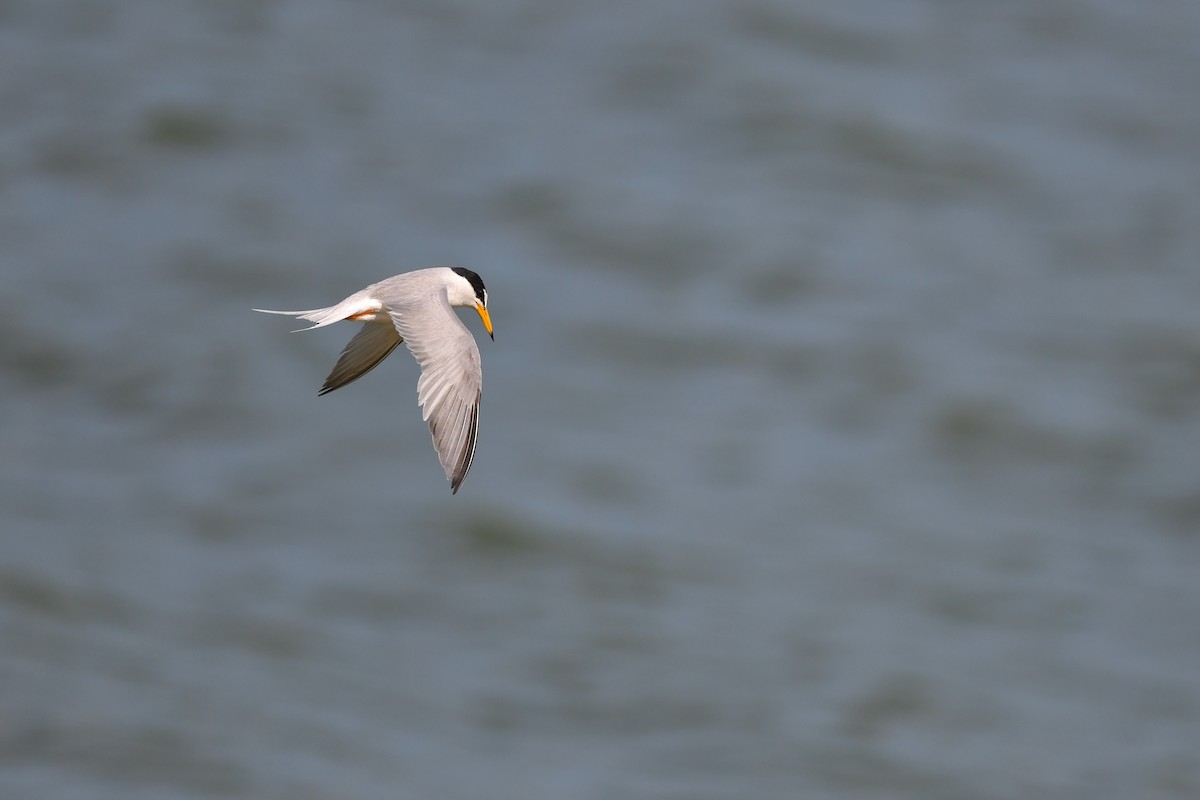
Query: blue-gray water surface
[(840, 436)]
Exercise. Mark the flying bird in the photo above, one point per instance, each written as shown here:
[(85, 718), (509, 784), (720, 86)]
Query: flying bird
[(417, 308)]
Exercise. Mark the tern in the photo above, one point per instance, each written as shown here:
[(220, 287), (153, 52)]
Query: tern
[(417, 308)]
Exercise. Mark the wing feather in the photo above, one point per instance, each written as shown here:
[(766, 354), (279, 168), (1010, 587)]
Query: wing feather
[(372, 344), (451, 379)]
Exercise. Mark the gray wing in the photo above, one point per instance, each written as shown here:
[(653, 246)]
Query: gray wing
[(451, 379), (362, 354)]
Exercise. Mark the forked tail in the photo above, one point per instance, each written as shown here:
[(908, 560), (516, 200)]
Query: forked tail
[(320, 317)]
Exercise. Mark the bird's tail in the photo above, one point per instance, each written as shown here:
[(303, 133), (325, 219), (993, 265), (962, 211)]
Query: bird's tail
[(320, 317)]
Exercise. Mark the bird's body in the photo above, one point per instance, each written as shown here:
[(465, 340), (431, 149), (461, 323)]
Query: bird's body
[(417, 308)]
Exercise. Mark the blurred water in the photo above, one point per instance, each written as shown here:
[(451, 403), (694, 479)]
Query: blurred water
[(839, 436)]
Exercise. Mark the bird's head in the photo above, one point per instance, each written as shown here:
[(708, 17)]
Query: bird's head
[(468, 292)]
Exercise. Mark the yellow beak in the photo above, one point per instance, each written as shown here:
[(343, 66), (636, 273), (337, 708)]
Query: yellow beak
[(487, 319)]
